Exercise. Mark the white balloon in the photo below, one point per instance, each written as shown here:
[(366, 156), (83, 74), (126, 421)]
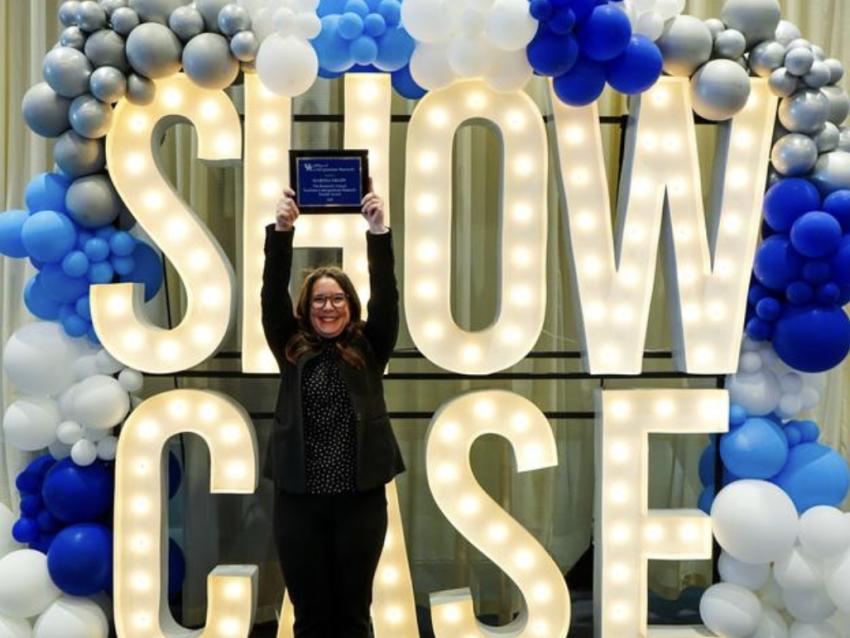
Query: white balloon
[(749, 362), (83, 452), (107, 364), (263, 24), (69, 432), (771, 594), (304, 6), (100, 402), (509, 24), (650, 24), (771, 625), (838, 583), (790, 405), (809, 605), (94, 435), (85, 366), (746, 575), (297, 75), (797, 571), (14, 628), (39, 358), (26, 589), (757, 393), (469, 57), (425, 20), (107, 448), (729, 610), (71, 617), (59, 450), (824, 532), (809, 630), (669, 8), (30, 423), (429, 66), (509, 71), (472, 23), (284, 21), (131, 380), (307, 25), (755, 521), (7, 521), (840, 622)]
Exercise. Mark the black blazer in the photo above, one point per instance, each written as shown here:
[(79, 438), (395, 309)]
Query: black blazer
[(378, 455)]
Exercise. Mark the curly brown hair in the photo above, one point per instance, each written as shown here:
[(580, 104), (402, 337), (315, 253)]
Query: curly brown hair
[(306, 340)]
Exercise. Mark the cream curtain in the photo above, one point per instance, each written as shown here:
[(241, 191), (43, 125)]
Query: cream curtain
[(555, 504)]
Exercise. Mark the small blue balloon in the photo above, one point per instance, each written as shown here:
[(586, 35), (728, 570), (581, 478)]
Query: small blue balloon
[(105, 232), (777, 264), (637, 68), (737, 415), (31, 505), (47, 523), (65, 310), (329, 7), (47, 192), (405, 85), (76, 494), (97, 249), (333, 51), (814, 475), (75, 264), (11, 223), (809, 430), (840, 262), (799, 293), (562, 21), (83, 308), (395, 49), (828, 295), (756, 293), (812, 338), (60, 287), (706, 499), (584, 8), (28, 482), (122, 244), (40, 466), (605, 34), (757, 449), (816, 234), (364, 50), (551, 54), (817, 272), (25, 530), (759, 329), (582, 84), (374, 25), (357, 6), (837, 204), (350, 26), (122, 265), (48, 235), (37, 301), (768, 309), (390, 11), (147, 270), (788, 200), (540, 9), (101, 273), (80, 559), (176, 568), (707, 464), (83, 236), (793, 434), (75, 326)]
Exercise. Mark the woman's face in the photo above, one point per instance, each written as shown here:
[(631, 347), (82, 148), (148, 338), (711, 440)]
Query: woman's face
[(330, 317)]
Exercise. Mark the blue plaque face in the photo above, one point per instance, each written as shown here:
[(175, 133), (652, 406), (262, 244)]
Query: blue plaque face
[(329, 181)]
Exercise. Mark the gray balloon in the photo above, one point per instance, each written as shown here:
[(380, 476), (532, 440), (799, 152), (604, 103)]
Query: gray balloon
[(820, 54), (773, 178), (804, 112), (832, 172), (45, 111), (782, 83), (124, 20), (836, 70), (108, 84), (686, 44), (90, 117), (186, 22), (844, 138), (839, 104), (244, 46), (232, 19), (90, 16), (818, 76), (92, 201), (800, 43), (787, 32), (730, 44), (799, 61), (67, 71), (756, 19), (210, 10), (73, 37), (106, 48), (140, 90), (207, 61), (78, 156), (827, 139), (766, 57), (153, 50), (794, 155), (716, 26), (68, 12), (719, 90), (156, 10), (111, 5)]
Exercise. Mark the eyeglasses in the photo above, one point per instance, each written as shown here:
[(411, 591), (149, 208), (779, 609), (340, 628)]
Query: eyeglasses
[(337, 301)]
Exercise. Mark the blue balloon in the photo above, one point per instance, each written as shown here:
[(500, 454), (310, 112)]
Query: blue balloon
[(329, 7), (756, 450), (122, 265), (563, 21), (328, 75), (540, 9), (799, 293), (122, 244), (147, 270), (47, 523), (707, 464), (809, 430), (837, 204), (11, 223), (395, 48), (47, 192), (840, 263), (788, 200), (97, 249), (37, 301), (83, 308), (582, 84), (816, 234), (551, 54), (48, 236), (101, 273), (75, 264), (80, 559), (816, 272), (583, 8), (405, 85), (814, 475), (793, 434), (176, 568), (60, 287), (105, 232), (41, 465), (333, 51), (390, 11), (768, 309), (756, 293), (31, 505), (828, 294), (28, 482), (737, 415), (811, 338), (364, 50), (75, 326), (83, 235), (75, 494), (360, 7), (706, 499), (759, 329), (605, 34), (350, 26), (777, 264), (637, 68), (25, 530), (43, 543)]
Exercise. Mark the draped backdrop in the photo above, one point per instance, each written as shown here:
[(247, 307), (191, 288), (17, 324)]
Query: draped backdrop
[(555, 504)]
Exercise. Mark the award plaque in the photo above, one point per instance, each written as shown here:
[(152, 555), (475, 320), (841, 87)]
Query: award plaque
[(329, 181)]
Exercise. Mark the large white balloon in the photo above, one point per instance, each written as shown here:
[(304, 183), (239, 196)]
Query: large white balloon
[(755, 521), (798, 571), (7, 521), (729, 610), (39, 358), (510, 25), (297, 75), (30, 423), (425, 20), (100, 402), (14, 628), (824, 532), (26, 589), (508, 71), (809, 605), (429, 66), (71, 617), (746, 575)]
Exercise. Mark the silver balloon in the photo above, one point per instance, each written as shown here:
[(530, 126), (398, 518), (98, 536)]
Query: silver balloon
[(832, 172), (156, 10), (140, 90), (67, 71), (90, 16), (782, 83), (186, 22), (730, 44), (92, 201), (153, 50), (232, 19), (836, 70), (45, 112), (839, 104), (244, 46), (686, 45), (111, 5), (756, 19), (766, 57), (106, 48), (78, 156), (804, 112), (124, 20), (820, 54), (844, 138), (73, 37), (90, 117), (818, 76), (210, 10), (800, 43), (108, 84), (794, 155), (68, 13), (716, 26), (207, 61), (828, 138), (799, 61), (787, 32), (719, 90)]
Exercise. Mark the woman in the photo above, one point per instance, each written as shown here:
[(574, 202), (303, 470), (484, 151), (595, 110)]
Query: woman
[(333, 448)]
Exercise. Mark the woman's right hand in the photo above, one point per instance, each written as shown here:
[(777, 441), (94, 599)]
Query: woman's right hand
[(286, 211)]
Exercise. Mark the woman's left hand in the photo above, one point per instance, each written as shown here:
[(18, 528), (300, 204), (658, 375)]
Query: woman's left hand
[(373, 212)]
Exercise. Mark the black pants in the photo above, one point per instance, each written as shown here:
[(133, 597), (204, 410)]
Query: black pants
[(329, 546)]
